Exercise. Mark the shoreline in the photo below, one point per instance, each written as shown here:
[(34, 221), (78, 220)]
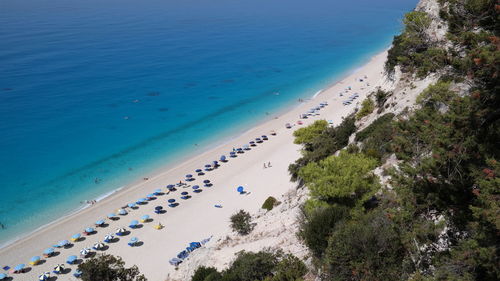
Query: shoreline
[(93, 212)]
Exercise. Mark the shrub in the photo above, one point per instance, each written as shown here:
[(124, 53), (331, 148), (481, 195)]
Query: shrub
[(366, 108), (241, 222), (377, 137), (365, 249), (270, 203), (290, 268), (250, 266), (345, 179), (203, 273), (324, 145), (108, 268), (317, 225), (308, 134)]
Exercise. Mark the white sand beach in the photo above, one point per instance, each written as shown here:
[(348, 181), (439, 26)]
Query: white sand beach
[(196, 218)]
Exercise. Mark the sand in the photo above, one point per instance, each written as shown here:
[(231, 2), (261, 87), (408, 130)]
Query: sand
[(196, 218)]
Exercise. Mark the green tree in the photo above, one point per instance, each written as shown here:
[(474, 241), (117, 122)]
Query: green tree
[(250, 266), (308, 134), (367, 107), (108, 268), (203, 273), (346, 179), (269, 203)]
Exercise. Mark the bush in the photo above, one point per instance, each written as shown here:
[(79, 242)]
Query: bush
[(203, 273), (108, 268), (365, 249), (270, 203), (316, 227), (250, 266), (290, 268), (366, 108), (324, 145), (377, 137), (241, 222), (345, 179), (308, 134)]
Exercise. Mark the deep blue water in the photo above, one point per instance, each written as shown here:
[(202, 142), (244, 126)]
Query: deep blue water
[(114, 89)]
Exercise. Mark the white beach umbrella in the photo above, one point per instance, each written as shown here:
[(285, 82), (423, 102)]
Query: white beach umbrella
[(59, 268), (84, 252), (43, 277), (108, 238), (120, 231), (98, 246)]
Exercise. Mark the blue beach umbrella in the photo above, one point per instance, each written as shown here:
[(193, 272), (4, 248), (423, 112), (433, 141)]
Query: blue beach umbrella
[(151, 195), (206, 181), (34, 260), (99, 222), (189, 176), (131, 205), (195, 187), (63, 243), (240, 189), (76, 236), (111, 215), (222, 158), (49, 251), (19, 267), (145, 218), (89, 230), (77, 273), (157, 191), (198, 170), (3, 276), (251, 143), (122, 212), (171, 200), (134, 223), (158, 208), (71, 259), (141, 201), (215, 162), (170, 186), (134, 240), (208, 166), (232, 153), (184, 193)]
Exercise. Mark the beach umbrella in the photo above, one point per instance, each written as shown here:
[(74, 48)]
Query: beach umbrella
[(188, 176), (44, 276), (141, 201), (158, 208), (240, 189), (206, 181), (208, 166), (131, 205), (157, 191), (49, 251), (134, 239), (63, 243), (58, 269), (108, 238), (98, 246), (84, 252), (251, 142), (19, 267), (35, 260), (184, 193), (77, 273), (71, 259), (133, 223), (215, 162), (3, 276), (170, 186), (122, 212), (232, 153), (89, 230), (111, 215), (144, 218), (149, 196), (198, 170), (99, 222), (75, 237), (246, 147), (222, 158), (171, 200), (120, 231)]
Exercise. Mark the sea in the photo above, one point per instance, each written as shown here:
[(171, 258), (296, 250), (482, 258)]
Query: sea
[(96, 94)]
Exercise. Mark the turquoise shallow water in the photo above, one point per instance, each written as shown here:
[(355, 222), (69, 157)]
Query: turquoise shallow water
[(111, 90)]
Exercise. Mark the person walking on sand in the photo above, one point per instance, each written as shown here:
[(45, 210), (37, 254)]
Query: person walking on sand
[(265, 165), (268, 164)]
